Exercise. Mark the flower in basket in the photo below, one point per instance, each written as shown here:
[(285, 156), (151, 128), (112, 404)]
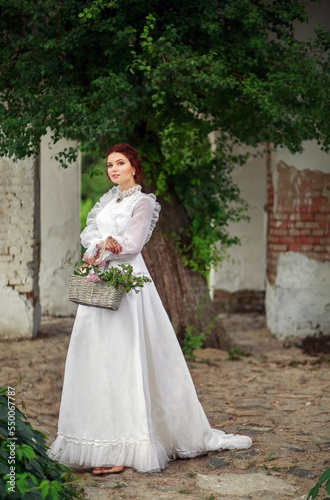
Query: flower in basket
[(117, 276)]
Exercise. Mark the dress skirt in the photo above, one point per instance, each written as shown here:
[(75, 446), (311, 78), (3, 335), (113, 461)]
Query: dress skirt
[(128, 397)]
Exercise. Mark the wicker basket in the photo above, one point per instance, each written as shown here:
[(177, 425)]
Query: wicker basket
[(93, 294)]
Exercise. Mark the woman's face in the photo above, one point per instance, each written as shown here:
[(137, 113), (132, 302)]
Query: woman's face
[(120, 171)]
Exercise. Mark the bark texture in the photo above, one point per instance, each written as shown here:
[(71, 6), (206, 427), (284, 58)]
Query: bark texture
[(184, 292)]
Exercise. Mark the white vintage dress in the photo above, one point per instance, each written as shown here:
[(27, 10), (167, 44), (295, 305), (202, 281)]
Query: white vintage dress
[(128, 397)]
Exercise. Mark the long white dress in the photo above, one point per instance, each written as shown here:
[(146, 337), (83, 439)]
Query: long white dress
[(128, 397)]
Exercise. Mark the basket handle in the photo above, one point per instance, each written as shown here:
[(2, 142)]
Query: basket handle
[(103, 248)]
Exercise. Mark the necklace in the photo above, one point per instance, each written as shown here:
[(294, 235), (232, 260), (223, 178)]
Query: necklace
[(128, 192)]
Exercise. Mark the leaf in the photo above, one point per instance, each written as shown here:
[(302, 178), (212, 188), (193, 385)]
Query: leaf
[(313, 492), (44, 488), (327, 486), (324, 476)]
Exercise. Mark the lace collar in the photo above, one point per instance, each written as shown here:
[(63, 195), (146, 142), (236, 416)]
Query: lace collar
[(123, 194)]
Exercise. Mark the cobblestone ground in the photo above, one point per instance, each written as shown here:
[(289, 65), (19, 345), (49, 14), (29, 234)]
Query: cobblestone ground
[(277, 395)]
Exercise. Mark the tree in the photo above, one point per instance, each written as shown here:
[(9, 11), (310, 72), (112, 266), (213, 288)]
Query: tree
[(163, 75)]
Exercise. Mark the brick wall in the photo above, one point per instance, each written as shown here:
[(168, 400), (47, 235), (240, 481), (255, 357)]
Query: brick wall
[(20, 247), (298, 206), (242, 301)]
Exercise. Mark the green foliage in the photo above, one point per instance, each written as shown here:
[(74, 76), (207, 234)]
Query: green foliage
[(164, 76), (25, 461), (235, 354), (324, 480), (121, 276), (191, 342)]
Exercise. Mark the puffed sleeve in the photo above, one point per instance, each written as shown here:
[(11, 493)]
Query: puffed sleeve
[(139, 229), (91, 236)]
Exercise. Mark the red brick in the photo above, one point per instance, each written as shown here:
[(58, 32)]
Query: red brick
[(284, 209), (295, 217), (301, 217), (312, 240), (283, 239), (280, 232), (307, 216), (287, 224), (294, 248), (299, 224), (306, 248), (312, 225), (317, 232), (319, 201), (295, 232), (281, 248), (305, 232), (306, 209), (320, 216), (324, 208)]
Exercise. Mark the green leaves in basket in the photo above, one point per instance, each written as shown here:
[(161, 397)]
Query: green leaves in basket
[(121, 275)]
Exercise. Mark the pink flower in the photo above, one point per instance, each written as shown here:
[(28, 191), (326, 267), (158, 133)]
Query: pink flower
[(93, 277)]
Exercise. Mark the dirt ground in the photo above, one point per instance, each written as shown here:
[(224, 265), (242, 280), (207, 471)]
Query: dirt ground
[(267, 389)]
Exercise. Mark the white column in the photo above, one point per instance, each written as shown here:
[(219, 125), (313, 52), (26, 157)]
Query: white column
[(60, 227)]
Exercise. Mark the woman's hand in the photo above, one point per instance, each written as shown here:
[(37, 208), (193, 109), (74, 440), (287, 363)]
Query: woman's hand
[(112, 245), (91, 261)]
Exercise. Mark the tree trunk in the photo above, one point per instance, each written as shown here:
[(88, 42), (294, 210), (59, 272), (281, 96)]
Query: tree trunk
[(184, 293)]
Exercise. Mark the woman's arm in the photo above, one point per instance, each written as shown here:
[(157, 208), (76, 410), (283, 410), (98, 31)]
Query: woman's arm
[(139, 228), (91, 236)]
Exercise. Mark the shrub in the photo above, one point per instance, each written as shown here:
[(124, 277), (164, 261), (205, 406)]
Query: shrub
[(25, 468)]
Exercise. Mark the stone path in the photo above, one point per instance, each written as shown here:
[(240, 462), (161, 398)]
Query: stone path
[(277, 395)]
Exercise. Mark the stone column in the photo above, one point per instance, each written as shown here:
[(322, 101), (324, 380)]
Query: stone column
[(20, 248), (60, 227)]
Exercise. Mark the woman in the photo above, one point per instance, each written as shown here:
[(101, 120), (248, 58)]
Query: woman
[(128, 398)]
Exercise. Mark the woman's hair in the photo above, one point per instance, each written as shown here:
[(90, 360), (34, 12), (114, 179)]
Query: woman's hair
[(132, 155)]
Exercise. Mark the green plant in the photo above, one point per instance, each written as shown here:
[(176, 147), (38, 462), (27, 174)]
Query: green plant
[(324, 480), (235, 354), (183, 491), (116, 276), (192, 342), (25, 468)]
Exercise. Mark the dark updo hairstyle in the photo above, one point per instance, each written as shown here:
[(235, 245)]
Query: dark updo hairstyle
[(132, 155)]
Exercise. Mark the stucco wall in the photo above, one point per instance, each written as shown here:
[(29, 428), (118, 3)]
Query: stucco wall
[(298, 304), (245, 268), (60, 228)]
